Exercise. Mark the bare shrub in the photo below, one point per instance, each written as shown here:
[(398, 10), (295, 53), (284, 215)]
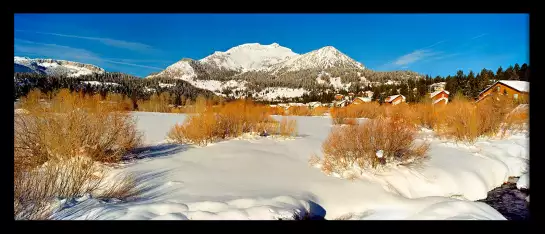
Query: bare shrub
[(73, 125), (228, 121), (426, 114), (36, 188), (288, 127), (319, 111), (465, 121), (157, 103), (338, 115), (314, 160), (350, 121), (299, 111), (351, 145), (277, 110), (197, 129), (517, 120), (365, 110)]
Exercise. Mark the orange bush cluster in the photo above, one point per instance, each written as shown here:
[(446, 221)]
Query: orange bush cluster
[(359, 144), (58, 139), (229, 120)]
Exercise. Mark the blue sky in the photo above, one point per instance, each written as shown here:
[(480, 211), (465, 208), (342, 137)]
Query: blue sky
[(138, 44)]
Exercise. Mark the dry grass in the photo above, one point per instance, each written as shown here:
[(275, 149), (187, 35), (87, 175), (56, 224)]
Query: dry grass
[(299, 111), (228, 121), (56, 145), (288, 127), (197, 129), (314, 160), (517, 120), (157, 103), (73, 125), (35, 188), (365, 110), (319, 111), (276, 110), (338, 115), (347, 146), (463, 120)]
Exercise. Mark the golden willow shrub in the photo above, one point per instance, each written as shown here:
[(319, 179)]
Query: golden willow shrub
[(157, 103), (465, 120), (319, 111), (351, 145), (299, 111), (230, 120), (73, 125), (57, 144)]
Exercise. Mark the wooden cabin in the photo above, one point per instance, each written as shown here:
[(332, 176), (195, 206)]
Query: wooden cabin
[(339, 97), (518, 90), (394, 99), (360, 100), (439, 97)]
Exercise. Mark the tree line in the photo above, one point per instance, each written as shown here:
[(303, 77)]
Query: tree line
[(111, 82)]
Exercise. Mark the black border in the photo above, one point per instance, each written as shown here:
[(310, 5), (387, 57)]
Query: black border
[(536, 123)]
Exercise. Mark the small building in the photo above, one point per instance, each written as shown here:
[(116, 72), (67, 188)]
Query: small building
[(314, 104), (368, 94), (339, 97), (512, 88), (351, 94), (437, 87), (395, 99), (440, 96), (341, 103), (360, 100)]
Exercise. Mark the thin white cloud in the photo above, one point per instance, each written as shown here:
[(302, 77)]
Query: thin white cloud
[(66, 52), (482, 35), (413, 57), (135, 46), (132, 64), (434, 44)]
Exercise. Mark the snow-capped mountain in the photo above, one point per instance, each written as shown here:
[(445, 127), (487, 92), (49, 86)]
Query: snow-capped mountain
[(264, 69), (54, 67), (323, 58), (249, 57)]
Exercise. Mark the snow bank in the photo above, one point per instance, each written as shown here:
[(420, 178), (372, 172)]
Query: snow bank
[(523, 182), (267, 179)]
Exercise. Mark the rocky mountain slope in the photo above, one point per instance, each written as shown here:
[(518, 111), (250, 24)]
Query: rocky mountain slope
[(257, 69), (54, 67)]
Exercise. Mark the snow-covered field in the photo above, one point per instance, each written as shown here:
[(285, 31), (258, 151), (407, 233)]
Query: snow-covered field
[(267, 178)]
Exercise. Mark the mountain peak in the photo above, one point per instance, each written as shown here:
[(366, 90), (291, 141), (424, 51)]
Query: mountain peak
[(249, 57), (323, 58)]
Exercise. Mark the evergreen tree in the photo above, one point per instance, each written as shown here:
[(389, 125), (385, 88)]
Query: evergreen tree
[(499, 74)]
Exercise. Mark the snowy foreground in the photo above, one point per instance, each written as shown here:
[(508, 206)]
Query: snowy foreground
[(266, 178)]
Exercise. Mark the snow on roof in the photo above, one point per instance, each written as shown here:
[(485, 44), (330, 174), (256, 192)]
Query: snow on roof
[(393, 97), (437, 92), (440, 99), (522, 86), (364, 99)]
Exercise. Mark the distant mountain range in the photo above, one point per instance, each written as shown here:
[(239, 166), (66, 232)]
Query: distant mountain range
[(273, 71), (54, 67), (263, 71)]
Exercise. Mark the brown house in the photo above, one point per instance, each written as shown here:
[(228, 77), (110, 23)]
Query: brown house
[(394, 99), (518, 90), (360, 100), (439, 97), (339, 97)]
